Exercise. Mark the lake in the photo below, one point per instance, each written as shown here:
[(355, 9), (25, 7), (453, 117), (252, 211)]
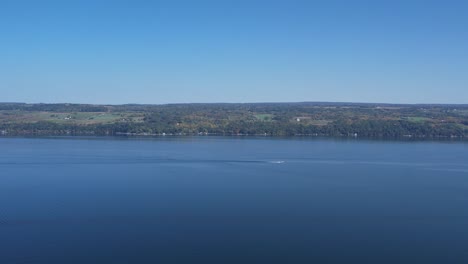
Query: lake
[(232, 200)]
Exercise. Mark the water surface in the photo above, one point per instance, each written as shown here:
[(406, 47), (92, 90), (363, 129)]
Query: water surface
[(232, 200)]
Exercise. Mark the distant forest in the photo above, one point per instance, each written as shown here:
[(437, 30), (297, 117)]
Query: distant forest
[(271, 119)]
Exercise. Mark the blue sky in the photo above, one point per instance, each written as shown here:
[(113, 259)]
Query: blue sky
[(177, 51)]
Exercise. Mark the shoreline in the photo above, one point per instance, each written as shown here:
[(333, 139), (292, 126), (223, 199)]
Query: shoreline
[(241, 136)]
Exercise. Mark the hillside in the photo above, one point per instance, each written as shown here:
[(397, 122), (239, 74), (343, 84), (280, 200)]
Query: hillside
[(275, 119)]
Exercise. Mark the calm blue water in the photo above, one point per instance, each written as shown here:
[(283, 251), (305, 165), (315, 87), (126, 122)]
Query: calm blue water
[(228, 200)]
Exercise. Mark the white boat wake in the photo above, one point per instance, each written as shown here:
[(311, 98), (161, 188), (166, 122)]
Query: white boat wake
[(277, 161)]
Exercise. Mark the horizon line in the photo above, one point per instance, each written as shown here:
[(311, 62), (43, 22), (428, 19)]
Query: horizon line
[(256, 102)]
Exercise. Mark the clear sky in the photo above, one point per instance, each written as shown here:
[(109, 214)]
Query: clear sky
[(177, 51)]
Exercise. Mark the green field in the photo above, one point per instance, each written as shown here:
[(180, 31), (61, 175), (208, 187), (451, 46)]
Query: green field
[(264, 117), (81, 118), (417, 119)]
